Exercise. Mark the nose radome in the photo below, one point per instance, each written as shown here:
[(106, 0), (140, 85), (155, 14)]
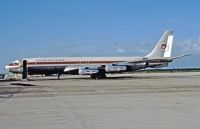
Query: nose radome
[(7, 67)]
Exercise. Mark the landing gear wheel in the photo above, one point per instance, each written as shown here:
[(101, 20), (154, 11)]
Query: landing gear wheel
[(102, 76), (93, 76), (98, 76)]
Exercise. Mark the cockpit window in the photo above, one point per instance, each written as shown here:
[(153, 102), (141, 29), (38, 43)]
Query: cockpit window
[(14, 63)]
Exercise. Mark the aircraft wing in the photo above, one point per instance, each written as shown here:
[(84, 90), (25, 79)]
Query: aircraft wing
[(69, 69), (152, 60), (120, 66), (84, 70)]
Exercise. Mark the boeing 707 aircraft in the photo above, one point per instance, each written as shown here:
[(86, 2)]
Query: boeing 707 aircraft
[(96, 67)]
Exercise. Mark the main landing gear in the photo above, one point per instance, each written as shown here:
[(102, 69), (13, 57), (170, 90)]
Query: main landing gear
[(98, 76)]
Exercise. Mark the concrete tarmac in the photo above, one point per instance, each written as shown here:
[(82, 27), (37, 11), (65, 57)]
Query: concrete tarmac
[(125, 101)]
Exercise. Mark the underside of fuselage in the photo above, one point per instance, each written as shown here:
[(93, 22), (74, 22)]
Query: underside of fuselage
[(49, 70)]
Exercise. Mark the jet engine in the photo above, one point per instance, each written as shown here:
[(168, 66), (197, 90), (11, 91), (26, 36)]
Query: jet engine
[(115, 68), (88, 70)]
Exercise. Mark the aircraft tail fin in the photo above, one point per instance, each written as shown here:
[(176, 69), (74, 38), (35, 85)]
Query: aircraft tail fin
[(164, 46)]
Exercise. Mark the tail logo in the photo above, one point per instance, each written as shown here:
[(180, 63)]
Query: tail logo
[(163, 47)]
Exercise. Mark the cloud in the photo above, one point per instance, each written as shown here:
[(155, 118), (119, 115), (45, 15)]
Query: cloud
[(188, 46), (121, 50)]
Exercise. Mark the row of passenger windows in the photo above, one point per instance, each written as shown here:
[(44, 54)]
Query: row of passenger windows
[(78, 62)]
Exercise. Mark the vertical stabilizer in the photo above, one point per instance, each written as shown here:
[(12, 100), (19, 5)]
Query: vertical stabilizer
[(164, 46)]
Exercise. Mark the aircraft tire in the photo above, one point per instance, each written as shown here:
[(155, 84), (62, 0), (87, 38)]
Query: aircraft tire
[(93, 76), (98, 76)]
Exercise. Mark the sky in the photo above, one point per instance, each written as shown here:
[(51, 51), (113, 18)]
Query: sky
[(46, 28)]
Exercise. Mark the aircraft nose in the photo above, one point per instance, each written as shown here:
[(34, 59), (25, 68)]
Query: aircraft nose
[(6, 68)]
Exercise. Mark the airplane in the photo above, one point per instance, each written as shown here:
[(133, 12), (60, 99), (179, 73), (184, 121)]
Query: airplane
[(96, 67)]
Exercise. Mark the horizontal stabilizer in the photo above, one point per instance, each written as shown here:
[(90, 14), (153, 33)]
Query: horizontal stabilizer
[(181, 56)]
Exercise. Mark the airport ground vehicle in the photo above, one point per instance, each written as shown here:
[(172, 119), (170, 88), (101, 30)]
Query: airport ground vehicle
[(2, 76), (10, 76)]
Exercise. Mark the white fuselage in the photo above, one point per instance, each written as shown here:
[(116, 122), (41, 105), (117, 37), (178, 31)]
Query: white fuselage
[(53, 65), (76, 61)]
